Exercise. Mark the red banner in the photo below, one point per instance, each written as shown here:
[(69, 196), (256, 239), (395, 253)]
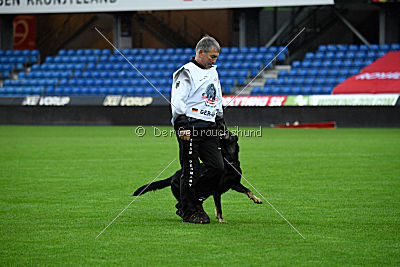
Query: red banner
[(254, 101), (24, 32), (381, 77)]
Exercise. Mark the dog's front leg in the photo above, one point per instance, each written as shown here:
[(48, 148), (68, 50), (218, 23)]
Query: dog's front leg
[(218, 208), (242, 189), (253, 197)]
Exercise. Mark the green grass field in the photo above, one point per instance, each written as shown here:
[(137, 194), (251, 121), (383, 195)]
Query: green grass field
[(60, 186)]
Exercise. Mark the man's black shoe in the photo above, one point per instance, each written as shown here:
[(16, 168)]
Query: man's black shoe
[(198, 217)]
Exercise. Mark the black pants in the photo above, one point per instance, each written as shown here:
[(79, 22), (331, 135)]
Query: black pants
[(203, 146)]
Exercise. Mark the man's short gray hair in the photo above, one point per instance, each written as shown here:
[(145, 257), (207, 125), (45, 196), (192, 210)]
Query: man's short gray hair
[(207, 43)]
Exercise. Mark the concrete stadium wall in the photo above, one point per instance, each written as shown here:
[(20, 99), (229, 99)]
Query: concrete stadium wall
[(357, 117)]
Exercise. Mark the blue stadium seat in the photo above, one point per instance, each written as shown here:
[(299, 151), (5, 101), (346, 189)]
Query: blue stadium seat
[(139, 91), (285, 90), (270, 81), (330, 81), (395, 47), (384, 47), (340, 55), (332, 47), (103, 90), (381, 54), (347, 63), (374, 47), (337, 63), (327, 90), (121, 90), (249, 57), (255, 91), (225, 50), (266, 90), (280, 81), (320, 80), (295, 90), (130, 91), (290, 81), (327, 63), (319, 55), (329, 55), (322, 48), (368, 62), (189, 51), (240, 81), (296, 64), (344, 72), (111, 91), (263, 49), (300, 80), (290, 73), (234, 50), (275, 90), (317, 90), (350, 54), (340, 79), (372, 54), (244, 50), (170, 51), (94, 91), (253, 49), (309, 80), (353, 47), (316, 64), (63, 82), (309, 55), (333, 72), (358, 63), (342, 47)]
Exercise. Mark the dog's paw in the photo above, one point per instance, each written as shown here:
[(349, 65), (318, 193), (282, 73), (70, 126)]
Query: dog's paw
[(221, 220), (257, 200)]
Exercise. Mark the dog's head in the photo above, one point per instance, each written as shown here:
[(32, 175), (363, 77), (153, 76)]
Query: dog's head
[(230, 147)]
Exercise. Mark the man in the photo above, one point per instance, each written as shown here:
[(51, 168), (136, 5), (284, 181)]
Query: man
[(197, 114)]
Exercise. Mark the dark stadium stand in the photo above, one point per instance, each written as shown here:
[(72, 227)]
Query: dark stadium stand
[(319, 72)]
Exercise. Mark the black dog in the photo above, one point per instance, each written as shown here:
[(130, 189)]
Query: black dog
[(205, 188)]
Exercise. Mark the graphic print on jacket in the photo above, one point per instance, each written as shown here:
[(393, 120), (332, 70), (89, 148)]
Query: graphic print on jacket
[(210, 95)]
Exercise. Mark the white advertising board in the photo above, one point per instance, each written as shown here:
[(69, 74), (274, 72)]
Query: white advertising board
[(77, 6)]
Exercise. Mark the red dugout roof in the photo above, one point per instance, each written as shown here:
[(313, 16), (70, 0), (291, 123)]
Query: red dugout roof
[(381, 77)]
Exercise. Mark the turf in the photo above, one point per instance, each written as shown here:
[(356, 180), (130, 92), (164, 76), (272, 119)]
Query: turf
[(60, 186)]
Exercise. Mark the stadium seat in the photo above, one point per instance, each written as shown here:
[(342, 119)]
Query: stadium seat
[(332, 72), (384, 47), (255, 91), (395, 47), (317, 90), (275, 90), (319, 55), (266, 90), (329, 55), (327, 90), (353, 47), (295, 90)]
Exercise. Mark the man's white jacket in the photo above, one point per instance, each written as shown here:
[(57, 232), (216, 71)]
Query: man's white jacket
[(196, 93)]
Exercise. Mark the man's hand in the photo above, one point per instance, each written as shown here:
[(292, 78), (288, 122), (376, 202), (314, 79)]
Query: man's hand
[(184, 135)]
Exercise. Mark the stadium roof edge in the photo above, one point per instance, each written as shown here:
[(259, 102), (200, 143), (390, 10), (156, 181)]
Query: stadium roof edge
[(79, 6)]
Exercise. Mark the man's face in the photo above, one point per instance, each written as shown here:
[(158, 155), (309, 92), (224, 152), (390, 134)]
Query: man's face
[(207, 59)]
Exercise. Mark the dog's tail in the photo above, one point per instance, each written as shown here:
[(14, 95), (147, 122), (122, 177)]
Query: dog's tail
[(153, 186)]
